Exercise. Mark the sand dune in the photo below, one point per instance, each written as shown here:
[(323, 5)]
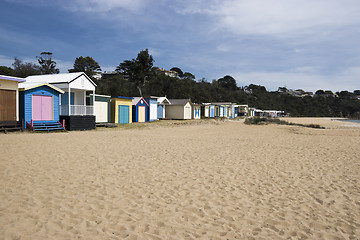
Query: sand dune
[(209, 181)]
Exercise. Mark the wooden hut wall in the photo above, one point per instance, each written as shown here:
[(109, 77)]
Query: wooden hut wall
[(8, 100), (102, 108), (152, 113)]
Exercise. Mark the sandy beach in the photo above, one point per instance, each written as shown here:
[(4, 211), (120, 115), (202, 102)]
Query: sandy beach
[(212, 180)]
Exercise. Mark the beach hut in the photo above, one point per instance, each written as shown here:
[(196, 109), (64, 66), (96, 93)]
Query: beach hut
[(39, 106), (140, 110), (196, 112), (161, 102), (102, 107), (9, 103), (121, 109), (152, 113), (209, 110), (179, 109), (221, 111), (73, 108)]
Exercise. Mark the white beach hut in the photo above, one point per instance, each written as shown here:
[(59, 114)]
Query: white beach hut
[(179, 109)]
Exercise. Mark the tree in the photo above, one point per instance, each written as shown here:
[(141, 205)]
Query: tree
[(6, 71), (25, 69), (87, 65), (188, 76), (178, 70), (47, 65), (228, 82), (137, 70)]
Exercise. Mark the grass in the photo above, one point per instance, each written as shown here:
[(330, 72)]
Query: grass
[(260, 121)]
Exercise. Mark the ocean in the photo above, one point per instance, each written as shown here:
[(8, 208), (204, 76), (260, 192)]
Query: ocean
[(356, 122)]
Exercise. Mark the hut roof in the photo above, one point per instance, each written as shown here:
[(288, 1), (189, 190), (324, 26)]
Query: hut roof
[(17, 79), (136, 100), (163, 100), (58, 78), (179, 101), (30, 85)]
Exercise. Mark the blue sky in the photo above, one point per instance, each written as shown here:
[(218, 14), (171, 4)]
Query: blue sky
[(303, 44)]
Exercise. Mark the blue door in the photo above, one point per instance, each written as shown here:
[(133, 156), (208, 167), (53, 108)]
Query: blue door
[(212, 110), (160, 111), (123, 114)]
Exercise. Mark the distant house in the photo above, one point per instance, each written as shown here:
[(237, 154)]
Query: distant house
[(140, 110), (169, 73), (39, 106), (179, 109), (161, 102), (73, 108), (121, 110)]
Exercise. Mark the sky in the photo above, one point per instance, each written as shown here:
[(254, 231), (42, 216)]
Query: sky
[(298, 44)]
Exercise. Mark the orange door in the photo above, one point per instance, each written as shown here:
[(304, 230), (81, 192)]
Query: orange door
[(141, 116)]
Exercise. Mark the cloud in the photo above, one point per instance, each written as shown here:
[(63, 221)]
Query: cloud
[(103, 5), (276, 17), (300, 79), (6, 61)]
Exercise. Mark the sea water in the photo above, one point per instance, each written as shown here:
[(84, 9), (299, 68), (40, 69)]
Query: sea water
[(355, 123)]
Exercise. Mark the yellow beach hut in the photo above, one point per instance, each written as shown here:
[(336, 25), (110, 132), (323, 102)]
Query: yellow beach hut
[(121, 109)]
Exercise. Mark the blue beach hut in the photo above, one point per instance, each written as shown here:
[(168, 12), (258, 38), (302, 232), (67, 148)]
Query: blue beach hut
[(161, 102), (140, 110), (39, 106)]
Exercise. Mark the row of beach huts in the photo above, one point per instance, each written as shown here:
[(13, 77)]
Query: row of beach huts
[(68, 101)]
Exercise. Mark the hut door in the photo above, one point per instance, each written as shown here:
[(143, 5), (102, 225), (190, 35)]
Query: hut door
[(160, 111), (141, 116), (7, 105), (123, 114), (42, 108)]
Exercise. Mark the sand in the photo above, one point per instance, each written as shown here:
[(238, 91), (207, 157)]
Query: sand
[(214, 180)]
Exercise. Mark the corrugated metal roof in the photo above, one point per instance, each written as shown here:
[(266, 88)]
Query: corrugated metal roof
[(179, 101), (58, 78), (10, 78)]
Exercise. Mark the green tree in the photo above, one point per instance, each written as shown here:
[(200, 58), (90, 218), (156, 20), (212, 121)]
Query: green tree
[(6, 71), (228, 82), (178, 70), (137, 70), (188, 76), (47, 65), (26, 69), (87, 65)]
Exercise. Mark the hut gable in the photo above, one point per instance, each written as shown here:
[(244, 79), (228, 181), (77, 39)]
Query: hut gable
[(78, 80), (139, 100)]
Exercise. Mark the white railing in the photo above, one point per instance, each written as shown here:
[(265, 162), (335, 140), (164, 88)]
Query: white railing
[(76, 110)]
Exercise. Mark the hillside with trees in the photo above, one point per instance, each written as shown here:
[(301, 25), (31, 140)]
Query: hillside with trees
[(139, 77)]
